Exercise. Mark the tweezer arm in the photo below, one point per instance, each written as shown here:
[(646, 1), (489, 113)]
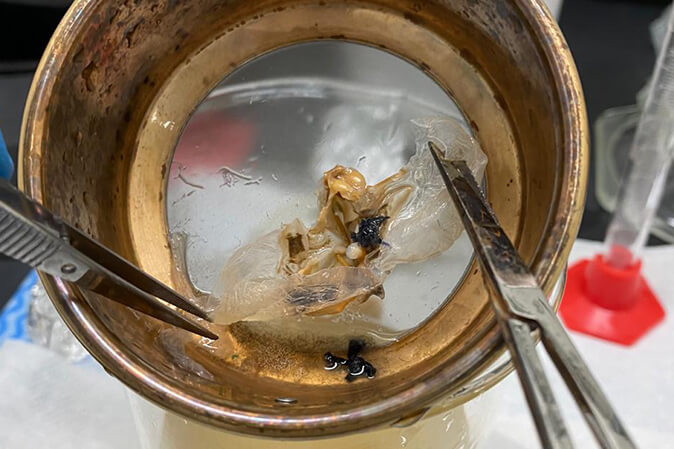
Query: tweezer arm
[(537, 390), (504, 272), (594, 405), (519, 302)]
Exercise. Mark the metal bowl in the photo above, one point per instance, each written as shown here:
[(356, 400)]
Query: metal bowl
[(95, 150)]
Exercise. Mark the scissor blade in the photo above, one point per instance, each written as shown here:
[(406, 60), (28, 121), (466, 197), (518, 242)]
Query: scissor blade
[(123, 292), (127, 271)]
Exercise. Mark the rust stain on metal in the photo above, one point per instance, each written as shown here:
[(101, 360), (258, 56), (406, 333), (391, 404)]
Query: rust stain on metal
[(503, 66)]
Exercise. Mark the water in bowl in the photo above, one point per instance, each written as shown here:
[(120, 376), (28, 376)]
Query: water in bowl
[(253, 154)]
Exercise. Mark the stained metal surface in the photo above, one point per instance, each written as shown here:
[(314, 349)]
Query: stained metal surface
[(117, 85)]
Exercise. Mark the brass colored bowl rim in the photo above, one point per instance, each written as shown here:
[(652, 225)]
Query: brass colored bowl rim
[(108, 350)]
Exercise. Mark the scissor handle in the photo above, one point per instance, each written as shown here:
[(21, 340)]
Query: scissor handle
[(519, 306)]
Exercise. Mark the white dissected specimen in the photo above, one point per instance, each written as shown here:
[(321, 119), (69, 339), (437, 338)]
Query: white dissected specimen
[(362, 232)]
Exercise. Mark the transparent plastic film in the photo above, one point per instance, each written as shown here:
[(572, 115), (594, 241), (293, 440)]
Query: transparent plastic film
[(651, 158), (362, 232)]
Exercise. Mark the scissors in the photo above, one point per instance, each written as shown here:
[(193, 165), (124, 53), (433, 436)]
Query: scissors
[(32, 235), (521, 307)]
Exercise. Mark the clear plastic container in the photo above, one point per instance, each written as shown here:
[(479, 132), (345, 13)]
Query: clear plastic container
[(650, 159), (455, 428), (46, 328), (638, 141)]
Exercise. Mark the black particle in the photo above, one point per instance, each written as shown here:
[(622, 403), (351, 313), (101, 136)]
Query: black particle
[(367, 234)]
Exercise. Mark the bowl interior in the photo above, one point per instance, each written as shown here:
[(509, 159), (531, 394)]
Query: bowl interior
[(253, 154)]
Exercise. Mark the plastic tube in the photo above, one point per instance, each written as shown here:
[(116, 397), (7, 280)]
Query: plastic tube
[(651, 157)]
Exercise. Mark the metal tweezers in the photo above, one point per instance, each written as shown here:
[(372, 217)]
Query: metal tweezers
[(521, 307), (31, 234)]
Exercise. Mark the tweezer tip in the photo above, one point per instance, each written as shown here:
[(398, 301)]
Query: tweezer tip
[(196, 311), (436, 152), (198, 328), (178, 300), (210, 335)]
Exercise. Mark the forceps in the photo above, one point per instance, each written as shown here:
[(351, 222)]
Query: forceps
[(32, 235), (521, 307)]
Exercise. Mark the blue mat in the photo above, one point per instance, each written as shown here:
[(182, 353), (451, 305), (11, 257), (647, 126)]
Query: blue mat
[(15, 313)]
